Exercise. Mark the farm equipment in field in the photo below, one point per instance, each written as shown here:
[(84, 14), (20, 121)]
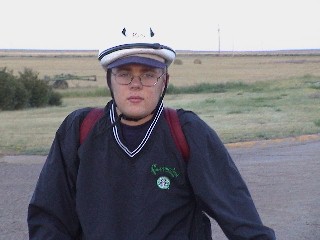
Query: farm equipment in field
[(60, 80)]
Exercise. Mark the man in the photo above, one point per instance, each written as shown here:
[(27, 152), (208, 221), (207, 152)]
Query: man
[(127, 179)]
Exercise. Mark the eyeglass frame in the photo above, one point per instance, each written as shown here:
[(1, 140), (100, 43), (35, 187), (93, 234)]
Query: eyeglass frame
[(133, 76)]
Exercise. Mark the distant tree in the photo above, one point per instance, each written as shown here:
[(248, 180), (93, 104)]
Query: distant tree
[(13, 95), (38, 90), (24, 91)]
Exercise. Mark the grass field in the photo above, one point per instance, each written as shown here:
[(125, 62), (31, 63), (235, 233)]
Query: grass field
[(279, 95), (246, 67)]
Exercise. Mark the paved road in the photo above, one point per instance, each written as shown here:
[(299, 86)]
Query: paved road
[(283, 177)]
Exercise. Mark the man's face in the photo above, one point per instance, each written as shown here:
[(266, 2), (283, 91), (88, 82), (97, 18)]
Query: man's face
[(135, 100)]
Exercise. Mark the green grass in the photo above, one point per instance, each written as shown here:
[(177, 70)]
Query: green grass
[(208, 88), (237, 111), (264, 110), (84, 92), (317, 122)]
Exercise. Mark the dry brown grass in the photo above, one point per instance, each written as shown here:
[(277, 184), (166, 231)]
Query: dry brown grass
[(245, 67)]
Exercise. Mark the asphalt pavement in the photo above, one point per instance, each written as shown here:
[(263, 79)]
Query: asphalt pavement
[(283, 177)]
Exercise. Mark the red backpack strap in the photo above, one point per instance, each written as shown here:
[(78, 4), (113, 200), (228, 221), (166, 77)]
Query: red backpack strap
[(179, 138), (88, 122)]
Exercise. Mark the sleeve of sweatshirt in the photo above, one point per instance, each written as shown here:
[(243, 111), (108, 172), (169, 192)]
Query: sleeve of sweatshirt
[(218, 185), (52, 210)]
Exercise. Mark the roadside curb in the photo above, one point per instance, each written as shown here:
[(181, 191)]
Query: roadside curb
[(264, 143), (23, 159), (35, 159)]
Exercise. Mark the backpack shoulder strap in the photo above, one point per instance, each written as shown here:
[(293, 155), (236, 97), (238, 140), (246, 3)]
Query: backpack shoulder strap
[(179, 138), (89, 121)]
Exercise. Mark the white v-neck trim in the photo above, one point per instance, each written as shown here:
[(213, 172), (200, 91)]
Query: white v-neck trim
[(144, 140)]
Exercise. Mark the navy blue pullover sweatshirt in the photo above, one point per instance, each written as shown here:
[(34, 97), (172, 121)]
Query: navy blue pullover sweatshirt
[(103, 190)]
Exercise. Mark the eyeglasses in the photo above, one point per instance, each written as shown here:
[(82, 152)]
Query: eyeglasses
[(147, 79)]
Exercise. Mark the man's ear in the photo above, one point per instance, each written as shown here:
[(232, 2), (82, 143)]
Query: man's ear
[(165, 85), (108, 78), (166, 82), (167, 79)]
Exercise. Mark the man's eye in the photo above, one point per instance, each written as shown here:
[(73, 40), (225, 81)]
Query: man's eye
[(149, 75), (123, 74)]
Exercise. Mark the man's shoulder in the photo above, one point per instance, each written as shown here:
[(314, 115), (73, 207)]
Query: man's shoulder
[(192, 123), (81, 113), (78, 113), (187, 116)]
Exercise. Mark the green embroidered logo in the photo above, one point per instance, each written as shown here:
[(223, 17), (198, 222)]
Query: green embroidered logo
[(171, 171), (163, 182)]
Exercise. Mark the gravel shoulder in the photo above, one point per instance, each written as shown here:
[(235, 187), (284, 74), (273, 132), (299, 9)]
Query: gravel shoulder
[(282, 175)]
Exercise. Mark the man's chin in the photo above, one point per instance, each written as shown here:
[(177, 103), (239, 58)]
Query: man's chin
[(136, 119)]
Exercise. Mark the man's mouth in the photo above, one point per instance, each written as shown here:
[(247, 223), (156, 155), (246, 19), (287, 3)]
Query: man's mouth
[(135, 99)]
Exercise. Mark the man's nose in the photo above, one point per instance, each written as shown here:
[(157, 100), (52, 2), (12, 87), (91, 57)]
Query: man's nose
[(136, 81)]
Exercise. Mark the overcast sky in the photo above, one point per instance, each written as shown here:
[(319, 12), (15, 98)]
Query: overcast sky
[(190, 25)]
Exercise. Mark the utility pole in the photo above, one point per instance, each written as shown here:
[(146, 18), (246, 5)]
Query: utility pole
[(219, 39)]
